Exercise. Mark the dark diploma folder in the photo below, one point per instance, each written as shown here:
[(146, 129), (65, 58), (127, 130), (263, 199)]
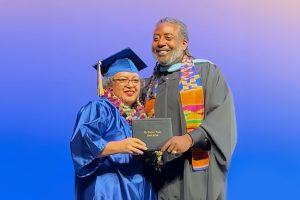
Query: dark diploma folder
[(154, 132)]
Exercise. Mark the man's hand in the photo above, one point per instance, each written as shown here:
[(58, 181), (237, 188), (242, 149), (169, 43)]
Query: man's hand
[(178, 144)]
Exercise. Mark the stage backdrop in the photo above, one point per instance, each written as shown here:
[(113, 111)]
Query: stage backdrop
[(47, 49)]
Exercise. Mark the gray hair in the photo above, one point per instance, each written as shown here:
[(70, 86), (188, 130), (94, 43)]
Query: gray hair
[(107, 81), (183, 33)]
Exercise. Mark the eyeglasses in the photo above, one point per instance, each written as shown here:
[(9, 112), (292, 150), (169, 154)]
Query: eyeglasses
[(125, 81)]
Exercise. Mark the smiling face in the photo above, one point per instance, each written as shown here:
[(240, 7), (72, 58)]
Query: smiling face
[(167, 46), (126, 86)]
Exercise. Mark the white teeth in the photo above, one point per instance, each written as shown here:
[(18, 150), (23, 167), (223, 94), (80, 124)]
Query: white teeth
[(162, 53)]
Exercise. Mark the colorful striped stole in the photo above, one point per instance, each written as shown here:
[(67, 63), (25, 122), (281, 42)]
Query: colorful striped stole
[(192, 101)]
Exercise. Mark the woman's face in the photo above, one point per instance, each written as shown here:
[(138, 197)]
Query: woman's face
[(126, 86)]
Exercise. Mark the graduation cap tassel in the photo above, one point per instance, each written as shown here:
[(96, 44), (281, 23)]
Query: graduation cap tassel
[(100, 85)]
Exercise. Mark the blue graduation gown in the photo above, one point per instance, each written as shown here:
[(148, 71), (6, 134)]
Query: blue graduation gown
[(118, 176)]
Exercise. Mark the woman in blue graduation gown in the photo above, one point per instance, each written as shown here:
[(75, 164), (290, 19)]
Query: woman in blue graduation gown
[(107, 160)]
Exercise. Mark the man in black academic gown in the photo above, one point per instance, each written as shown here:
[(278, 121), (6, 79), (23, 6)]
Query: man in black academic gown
[(196, 158)]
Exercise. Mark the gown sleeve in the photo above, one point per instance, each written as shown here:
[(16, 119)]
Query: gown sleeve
[(219, 123), (88, 138)]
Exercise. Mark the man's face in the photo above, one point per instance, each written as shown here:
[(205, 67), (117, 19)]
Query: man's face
[(167, 47)]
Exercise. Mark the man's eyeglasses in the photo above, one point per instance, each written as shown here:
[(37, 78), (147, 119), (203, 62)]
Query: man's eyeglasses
[(125, 81)]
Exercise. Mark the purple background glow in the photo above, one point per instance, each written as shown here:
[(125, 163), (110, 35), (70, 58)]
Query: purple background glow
[(47, 49)]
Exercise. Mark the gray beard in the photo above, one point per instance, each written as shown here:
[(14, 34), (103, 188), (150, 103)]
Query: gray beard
[(176, 56)]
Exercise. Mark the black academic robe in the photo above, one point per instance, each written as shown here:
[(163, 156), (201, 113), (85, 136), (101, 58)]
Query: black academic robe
[(177, 180)]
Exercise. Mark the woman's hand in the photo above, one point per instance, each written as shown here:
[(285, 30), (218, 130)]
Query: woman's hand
[(132, 146), (128, 145)]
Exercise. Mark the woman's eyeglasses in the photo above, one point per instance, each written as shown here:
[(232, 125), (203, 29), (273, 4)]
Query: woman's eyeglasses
[(125, 81)]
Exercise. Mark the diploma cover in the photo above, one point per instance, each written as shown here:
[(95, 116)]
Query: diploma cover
[(153, 131)]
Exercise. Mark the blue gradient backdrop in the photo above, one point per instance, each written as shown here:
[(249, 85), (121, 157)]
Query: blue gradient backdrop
[(47, 49)]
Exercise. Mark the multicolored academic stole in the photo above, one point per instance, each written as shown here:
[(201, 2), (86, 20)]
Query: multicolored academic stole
[(192, 101)]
